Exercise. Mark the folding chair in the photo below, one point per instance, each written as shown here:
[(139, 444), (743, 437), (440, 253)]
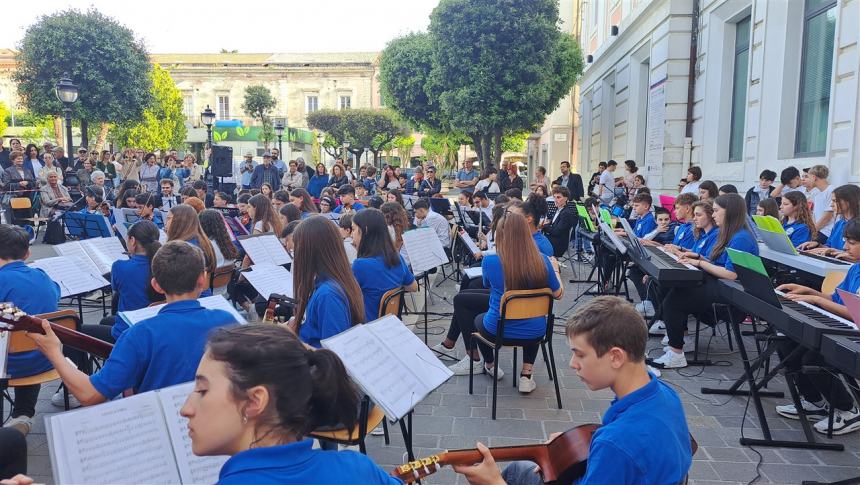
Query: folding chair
[(369, 418)]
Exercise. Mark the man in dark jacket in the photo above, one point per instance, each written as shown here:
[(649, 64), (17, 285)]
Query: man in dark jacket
[(563, 222), (573, 181)]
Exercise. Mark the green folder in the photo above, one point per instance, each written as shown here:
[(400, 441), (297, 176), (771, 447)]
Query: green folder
[(583, 214), (747, 260), (769, 223), (607, 217)]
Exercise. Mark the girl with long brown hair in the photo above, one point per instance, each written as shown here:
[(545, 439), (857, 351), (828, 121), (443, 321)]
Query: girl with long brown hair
[(797, 218), (182, 224), (264, 219), (517, 265), (213, 225), (301, 198), (329, 298), (845, 202)]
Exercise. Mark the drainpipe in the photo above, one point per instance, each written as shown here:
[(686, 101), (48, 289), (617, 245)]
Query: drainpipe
[(691, 88)]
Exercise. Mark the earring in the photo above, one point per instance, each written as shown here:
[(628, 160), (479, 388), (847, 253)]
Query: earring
[(244, 419)]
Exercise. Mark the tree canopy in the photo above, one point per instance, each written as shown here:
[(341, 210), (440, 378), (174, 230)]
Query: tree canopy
[(258, 103), (362, 128), (4, 113), (109, 66), (163, 122)]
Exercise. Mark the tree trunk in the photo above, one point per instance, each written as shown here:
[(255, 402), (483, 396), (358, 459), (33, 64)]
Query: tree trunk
[(103, 132), (85, 139), (59, 135), (497, 146), (476, 143), (486, 148)]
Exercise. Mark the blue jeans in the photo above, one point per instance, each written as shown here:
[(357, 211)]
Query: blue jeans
[(521, 473)]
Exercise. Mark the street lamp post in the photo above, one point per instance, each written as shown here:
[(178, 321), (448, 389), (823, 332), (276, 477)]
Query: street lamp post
[(279, 132), (321, 140), (67, 93), (207, 117)]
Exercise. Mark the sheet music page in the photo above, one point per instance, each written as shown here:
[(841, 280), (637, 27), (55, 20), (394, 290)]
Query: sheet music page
[(4, 352), (66, 272), (424, 249), (265, 249), (112, 442), (411, 351), (268, 279), (467, 240), (104, 251), (215, 302), (475, 272), (192, 468), (375, 368), (76, 250)]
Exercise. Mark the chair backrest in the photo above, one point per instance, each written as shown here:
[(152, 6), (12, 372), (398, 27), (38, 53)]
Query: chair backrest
[(221, 276), (831, 281), (20, 342), (392, 302), (517, 304), (21, 203)]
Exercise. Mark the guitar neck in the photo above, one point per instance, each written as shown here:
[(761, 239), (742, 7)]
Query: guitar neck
[(82, 341), (535, 453)]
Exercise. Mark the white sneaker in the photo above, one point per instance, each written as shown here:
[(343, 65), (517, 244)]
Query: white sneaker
[(57, 400), (657, 328), (811, 410), (844, 422), (670, 360), (461, 368), (21, 423), (377, 431), (444, 352), (489, 372), (527, 384), (654, 371), (689, 344), (646, 308)]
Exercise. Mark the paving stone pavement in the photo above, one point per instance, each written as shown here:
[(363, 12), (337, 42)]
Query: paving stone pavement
[(450, 418)]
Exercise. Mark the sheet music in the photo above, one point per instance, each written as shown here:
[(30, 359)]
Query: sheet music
[(378, 371), (467, 240), (192, 468), (4, 352), (424, 249), (215, 302), (476, 272), (268, 279), (67, 273), (113, 443), (265, 249), (76, 251), (104, 251), (431, 371)]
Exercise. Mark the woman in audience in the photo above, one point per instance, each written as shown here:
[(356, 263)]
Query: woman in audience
[(50, 166), (328, 297), (730, 215), (395, 195), (266, 189), (708, 190), (845, 201), (212, 223), (389, 179), (540, 180), (263, 216), (379, 268), (488, 183), (318, 181), (54, 195), (797, 218), (302, 199), (85, 173), (338, 177), (326, 205), (242, 406), (767, 207), (182, 224), (279, 198)]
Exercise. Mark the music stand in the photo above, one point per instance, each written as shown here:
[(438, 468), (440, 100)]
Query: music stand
[(439, 205), (85, 226)]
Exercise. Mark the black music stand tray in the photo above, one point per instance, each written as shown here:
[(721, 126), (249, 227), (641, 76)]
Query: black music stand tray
[(86, 226)]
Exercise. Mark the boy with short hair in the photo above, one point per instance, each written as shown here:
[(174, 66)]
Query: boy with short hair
[(645, 222), (664, 233), (608, 338), (156, 352), (347, 200), (147, 203), (789, 181), (759, 192), (819, 192)]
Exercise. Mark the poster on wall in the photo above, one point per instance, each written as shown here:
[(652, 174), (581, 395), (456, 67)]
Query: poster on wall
[(655, 133)]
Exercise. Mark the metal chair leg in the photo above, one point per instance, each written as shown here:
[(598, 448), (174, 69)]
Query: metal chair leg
[(495, 378), (554, 375)]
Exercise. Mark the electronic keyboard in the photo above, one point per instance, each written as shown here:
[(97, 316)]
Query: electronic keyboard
[(664, 266), (842, 352)]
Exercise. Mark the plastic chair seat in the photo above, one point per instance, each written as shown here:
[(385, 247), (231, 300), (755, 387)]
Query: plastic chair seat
[(350, 437), (47, 376)]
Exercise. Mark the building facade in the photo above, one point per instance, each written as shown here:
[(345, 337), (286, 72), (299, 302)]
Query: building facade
[(734, 86)]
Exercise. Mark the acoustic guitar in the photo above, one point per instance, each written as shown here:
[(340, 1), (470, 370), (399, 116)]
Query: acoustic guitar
[(561, 460), (13, 319)]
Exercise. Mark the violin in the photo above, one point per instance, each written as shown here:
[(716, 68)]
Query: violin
[(561, 460), (13, 319), (104, 207)]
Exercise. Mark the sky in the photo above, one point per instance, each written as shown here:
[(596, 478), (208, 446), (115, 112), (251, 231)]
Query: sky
[(194, 26)]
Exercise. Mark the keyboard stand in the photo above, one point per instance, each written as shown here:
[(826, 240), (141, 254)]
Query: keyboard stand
[(756, 394)]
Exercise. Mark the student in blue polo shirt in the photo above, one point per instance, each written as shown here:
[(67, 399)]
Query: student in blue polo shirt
[(347, 200), (608, 341), (534, 209), (378, 268), (645, 223), (730, 215), (32, 291), (797, 218), (149, 208), (328, 297), (258, 393), (156, 352), (845, 202)]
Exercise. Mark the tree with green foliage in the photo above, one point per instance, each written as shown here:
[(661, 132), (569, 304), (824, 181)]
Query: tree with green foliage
[(362, 128), (5, 113), (258, 103), (109, 66), (514, 142), (163, 122)]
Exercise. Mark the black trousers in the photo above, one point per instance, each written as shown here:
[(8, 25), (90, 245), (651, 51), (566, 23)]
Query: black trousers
[(13, 453), (467, 305), (680, 302), (814, 386), (529, 351), (25, 401)]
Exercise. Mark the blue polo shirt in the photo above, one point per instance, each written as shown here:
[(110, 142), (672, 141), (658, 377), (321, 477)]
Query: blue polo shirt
[(851, 283), (644, 225), (836, 239), (327, 313), (706, 242), (129, 279), (623, 449), (543, 244), (375, 278), (798, 232), (299, 463), (160, 351), (685, 237), (743, 240), (31, 290), (464, 175), (356, 206), (494, 279)]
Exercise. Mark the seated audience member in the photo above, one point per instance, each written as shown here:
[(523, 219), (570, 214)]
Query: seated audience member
[(797, 218), (54, 196), (431, 186), (820, 390), (413, 184), (424, 217), (347, 200), (31, 290), (212, 223), (768, 207), (608, 339), (378, 268), (694, 175), (156, 352), (240, 380), (761, 191)]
